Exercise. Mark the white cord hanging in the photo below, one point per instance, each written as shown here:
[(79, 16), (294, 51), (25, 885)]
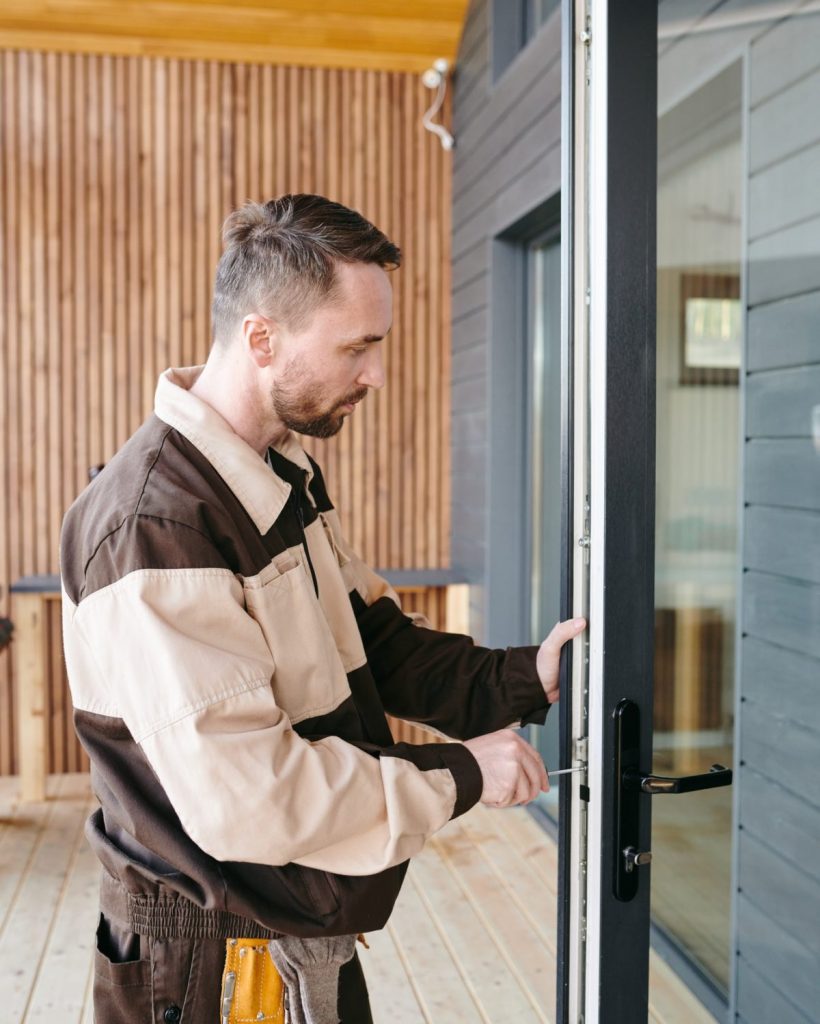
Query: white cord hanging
[(436, 78)]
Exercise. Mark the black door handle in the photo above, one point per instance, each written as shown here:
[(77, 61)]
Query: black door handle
[(629, 784), (718, 775)]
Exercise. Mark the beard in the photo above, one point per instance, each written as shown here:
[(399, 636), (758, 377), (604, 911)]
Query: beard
[(304, 406)]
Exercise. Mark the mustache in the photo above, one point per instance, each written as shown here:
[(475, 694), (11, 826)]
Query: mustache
[(354, 398)]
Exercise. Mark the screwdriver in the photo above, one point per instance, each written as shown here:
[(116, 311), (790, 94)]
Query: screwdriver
[(565, 771)]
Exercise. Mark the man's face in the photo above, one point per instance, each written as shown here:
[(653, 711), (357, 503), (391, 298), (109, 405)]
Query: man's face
[(329, 366)]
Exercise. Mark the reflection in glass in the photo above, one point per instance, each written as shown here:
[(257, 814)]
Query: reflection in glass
[(738, 382), (698, 354), (544, 422)]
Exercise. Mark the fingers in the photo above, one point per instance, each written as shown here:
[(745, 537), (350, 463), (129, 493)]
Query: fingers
[(564, 631), (533, 779), (530, 779), (512, 770)]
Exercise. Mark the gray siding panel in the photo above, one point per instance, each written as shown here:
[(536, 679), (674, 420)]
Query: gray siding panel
[(775, 954), (785, 333), (514, 202), (758, 999), (470, 393), (783, 611), (787, 750), (470, 327), (783, 472), (783, 541), (782, 819), (784, 264), (784, 54), (470, 362), (785, 193), (470, 297), (470, 264), (520, 152), (506, 164), (787, 895), (778, 127), (779, 403), (469, 428), (787, 680), (503, 100)]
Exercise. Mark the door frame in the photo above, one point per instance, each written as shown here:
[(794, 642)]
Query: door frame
[(610, 54)]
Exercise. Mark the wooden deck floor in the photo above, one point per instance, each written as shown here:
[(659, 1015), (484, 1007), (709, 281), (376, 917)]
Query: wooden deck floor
[(471, 940)]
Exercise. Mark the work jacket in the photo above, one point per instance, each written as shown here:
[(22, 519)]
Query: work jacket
[(230, 661)]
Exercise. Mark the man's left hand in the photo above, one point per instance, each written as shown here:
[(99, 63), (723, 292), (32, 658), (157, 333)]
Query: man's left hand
[(549, 655)]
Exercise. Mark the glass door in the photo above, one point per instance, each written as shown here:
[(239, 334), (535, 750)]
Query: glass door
[(737, 603), (699, 344), (692, 284), (610, 225)]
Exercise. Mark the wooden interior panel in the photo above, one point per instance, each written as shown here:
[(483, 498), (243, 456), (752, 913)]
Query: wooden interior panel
[(375, 34), (115, 176)]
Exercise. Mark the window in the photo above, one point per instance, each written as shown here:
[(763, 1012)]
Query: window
[(514, 23), (543, 427)]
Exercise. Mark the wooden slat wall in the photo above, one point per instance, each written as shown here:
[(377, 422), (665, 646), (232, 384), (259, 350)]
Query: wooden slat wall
[(431, 603), (115, 176)]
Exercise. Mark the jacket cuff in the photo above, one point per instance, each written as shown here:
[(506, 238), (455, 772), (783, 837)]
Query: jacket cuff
[(467, 775), (525, 695)]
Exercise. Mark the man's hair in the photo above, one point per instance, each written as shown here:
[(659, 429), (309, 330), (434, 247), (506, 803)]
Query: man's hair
[(280, 258)]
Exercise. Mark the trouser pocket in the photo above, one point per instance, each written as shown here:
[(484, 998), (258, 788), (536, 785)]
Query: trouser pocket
[(122, 976), (252, 989), (141, 979)]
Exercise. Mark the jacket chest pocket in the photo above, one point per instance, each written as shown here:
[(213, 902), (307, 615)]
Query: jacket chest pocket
[(309, 678)]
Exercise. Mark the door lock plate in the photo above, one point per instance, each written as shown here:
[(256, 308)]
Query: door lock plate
[(632, 785), (627, 722)]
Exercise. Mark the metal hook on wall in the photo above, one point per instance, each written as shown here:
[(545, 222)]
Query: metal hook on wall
[(436, 78)]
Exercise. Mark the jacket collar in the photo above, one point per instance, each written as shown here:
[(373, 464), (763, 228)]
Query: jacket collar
[(257, 487)]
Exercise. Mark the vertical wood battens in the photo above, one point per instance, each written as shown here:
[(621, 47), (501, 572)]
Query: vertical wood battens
[(117, 173)]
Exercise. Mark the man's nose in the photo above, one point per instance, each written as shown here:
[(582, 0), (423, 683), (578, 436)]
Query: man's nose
[(372, 375)]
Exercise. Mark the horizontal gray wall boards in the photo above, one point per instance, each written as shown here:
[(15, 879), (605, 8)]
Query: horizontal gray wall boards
[(506, 164), (777, 937), (784, 333)]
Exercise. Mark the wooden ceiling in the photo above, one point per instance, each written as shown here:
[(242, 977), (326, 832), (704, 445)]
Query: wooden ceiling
[(379, 34)]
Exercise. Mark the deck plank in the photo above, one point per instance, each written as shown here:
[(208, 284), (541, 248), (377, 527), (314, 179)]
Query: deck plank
[(440, 987), (476, 950), (670, 1002), (23, 825), (519, 942), (60, 988), (532, 894), (391, 992), (31, 914)]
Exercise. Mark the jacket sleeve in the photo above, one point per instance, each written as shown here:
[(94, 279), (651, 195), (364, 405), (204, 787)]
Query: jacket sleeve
[(175, 655), (438, 679)]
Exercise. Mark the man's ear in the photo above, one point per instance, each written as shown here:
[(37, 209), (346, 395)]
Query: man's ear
[(260, 337)]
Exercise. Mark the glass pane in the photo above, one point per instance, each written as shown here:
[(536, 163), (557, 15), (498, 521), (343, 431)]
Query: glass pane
[(738, 253), (544, 379)]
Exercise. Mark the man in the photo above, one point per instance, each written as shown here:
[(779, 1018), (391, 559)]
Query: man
[(231, 659)]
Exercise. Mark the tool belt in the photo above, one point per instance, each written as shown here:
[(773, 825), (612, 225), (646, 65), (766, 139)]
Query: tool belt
[(252, 989)]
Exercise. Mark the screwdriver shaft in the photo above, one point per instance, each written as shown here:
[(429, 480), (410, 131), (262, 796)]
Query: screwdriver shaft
[(565, 771)]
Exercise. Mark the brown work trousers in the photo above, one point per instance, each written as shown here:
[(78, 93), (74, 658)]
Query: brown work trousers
[(139, 979)]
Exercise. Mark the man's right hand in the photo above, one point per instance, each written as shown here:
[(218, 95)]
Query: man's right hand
[(512, 770)]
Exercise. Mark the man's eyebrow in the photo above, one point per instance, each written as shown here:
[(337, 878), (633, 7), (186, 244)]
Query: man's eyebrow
[(368, 338)]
